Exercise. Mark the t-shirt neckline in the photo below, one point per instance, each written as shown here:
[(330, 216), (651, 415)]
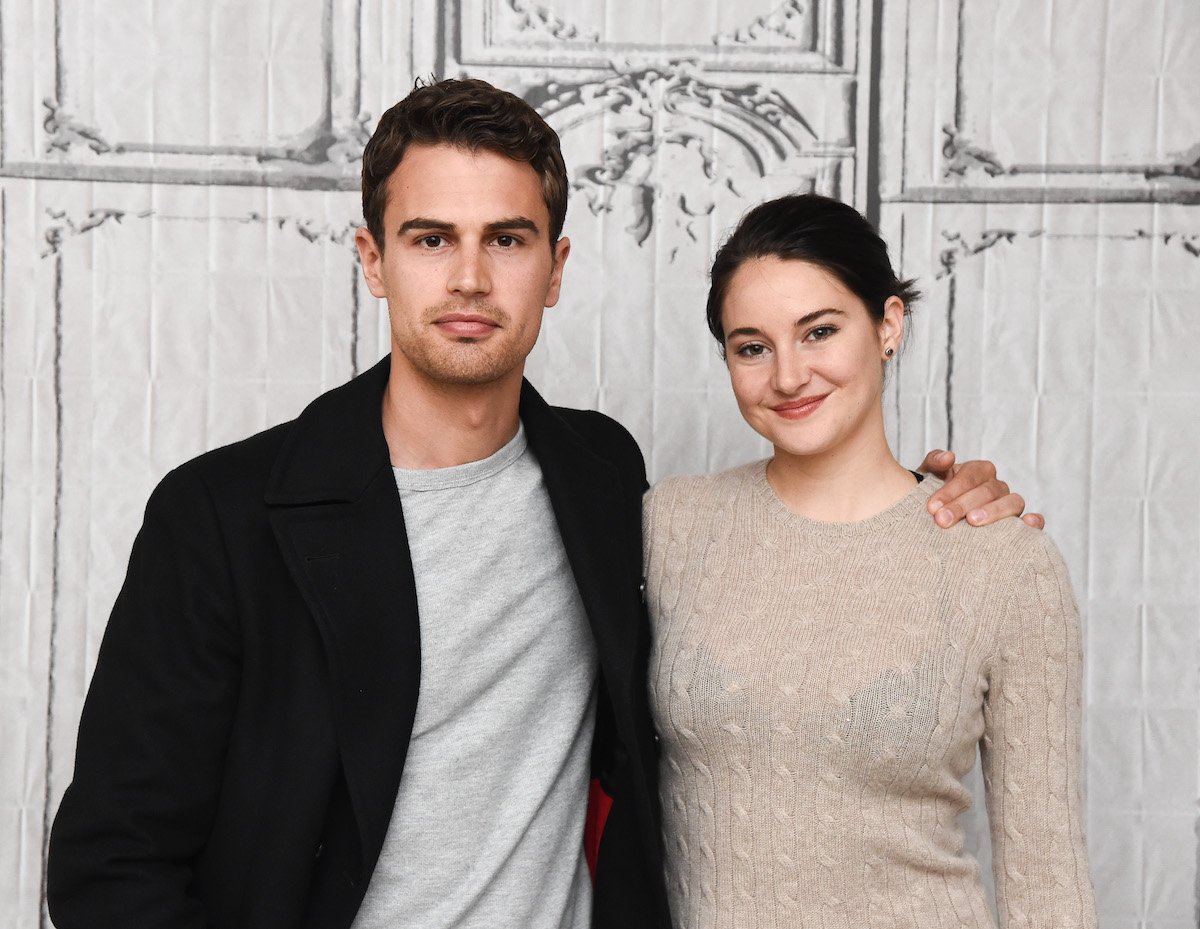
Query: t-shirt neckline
[(471, 472)]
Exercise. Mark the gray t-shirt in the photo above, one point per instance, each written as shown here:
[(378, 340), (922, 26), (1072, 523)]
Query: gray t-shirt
[(488, 823)]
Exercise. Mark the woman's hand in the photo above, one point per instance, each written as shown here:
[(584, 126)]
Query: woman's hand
[(972, 491)]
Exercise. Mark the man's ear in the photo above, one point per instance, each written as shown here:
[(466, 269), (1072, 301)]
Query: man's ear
[(562, 248), (371, 259)]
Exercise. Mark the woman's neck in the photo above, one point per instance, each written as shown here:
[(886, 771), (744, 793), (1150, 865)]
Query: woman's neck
[(855, 481)]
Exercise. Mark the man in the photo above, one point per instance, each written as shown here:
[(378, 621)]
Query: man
[(364, 663)]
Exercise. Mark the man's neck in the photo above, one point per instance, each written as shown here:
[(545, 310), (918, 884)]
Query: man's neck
[(431, 425)]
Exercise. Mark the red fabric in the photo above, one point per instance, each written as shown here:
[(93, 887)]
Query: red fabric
[(599, 803)]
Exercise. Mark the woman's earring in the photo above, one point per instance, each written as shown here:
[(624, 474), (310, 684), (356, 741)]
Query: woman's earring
[(889, 352)]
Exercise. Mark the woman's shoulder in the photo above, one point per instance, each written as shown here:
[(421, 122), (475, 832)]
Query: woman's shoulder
[(690, 508), (701, 491), (1009, 537), (1010, 545)]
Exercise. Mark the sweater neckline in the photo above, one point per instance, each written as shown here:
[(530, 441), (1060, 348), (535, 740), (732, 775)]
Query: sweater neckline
[(912, 503)]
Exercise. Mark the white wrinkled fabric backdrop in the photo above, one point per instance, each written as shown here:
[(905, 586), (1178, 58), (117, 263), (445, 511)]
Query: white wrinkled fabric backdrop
[(178, 196)]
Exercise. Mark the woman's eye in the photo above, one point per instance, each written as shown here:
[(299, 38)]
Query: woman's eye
[(822, 332), (751, 350)]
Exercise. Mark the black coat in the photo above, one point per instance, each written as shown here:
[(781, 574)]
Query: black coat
[(247, 723)]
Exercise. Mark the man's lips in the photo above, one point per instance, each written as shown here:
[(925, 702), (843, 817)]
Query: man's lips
[(466, 325), (798, 409)]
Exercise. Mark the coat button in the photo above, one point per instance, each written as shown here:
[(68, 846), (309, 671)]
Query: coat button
[(320, 849)]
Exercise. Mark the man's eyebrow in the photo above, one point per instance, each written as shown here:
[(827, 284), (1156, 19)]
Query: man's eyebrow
[(802, 321), (421, 222), (513, 222)]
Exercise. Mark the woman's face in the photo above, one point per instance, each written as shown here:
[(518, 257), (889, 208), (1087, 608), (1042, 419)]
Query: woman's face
[(805, 357)]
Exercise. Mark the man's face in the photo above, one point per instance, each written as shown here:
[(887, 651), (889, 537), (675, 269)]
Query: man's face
[(466, 267)]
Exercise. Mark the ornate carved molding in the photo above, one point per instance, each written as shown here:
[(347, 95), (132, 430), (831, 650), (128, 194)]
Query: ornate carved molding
[(64, 131), (334, 233), (65, 227), (1188, 241), (544, 21), (655, 107), (1186, 167), (959, 247), (324, 144), (962, 155), (312, 159), (978, 175), (792, 22)]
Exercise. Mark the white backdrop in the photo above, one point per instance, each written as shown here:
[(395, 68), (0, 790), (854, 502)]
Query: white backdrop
[(177, 203)]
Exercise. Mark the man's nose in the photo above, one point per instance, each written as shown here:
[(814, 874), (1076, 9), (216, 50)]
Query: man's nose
[(469, 276)]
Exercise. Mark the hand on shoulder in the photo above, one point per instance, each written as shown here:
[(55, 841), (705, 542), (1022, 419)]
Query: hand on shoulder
[(972, 492)]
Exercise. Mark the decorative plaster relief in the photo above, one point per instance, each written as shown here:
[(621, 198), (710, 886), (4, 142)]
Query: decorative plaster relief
[(649, 109)]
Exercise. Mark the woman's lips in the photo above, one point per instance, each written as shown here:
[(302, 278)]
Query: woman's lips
[(798, 409)]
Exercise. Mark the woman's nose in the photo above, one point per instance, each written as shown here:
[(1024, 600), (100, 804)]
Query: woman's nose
[(791, 371)]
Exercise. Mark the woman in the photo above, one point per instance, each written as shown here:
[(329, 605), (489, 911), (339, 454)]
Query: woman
[(826, 658)]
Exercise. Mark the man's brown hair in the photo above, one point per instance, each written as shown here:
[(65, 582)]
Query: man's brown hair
[(472, 115)]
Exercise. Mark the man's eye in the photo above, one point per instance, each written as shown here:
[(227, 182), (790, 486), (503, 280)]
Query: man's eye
[(506, 241), (431, 241)]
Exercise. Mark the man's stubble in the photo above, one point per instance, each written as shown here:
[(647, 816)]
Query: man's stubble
[(462, 361)]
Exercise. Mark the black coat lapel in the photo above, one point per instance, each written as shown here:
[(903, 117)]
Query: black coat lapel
[(599, 521), (337, 517)]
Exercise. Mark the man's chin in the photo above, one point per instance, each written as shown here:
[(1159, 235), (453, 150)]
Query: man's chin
[(467, 371), (470, 378)]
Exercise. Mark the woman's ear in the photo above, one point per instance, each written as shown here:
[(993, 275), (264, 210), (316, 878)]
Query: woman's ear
[(891, 327)]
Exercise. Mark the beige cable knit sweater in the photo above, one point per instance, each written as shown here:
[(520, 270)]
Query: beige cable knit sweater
[(820, 689)]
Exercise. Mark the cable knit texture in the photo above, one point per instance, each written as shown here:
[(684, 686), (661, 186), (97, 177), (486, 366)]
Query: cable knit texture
[(820, 690)]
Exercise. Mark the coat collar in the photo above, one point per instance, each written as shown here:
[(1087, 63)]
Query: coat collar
[(338, 519), (594, 512), (335, 511), (336, 447)]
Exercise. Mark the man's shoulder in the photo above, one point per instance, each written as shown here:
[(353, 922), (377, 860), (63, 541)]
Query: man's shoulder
[(592, 424), (604, 437), (235, 471), (339, 425)]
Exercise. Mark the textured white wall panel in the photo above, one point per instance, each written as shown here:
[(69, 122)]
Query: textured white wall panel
[(178, 195)]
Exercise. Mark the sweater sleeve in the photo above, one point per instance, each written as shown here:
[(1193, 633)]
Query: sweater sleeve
[(1031, 752)]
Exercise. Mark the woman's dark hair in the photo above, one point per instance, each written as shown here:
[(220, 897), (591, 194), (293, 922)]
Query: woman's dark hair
[(820, 230)]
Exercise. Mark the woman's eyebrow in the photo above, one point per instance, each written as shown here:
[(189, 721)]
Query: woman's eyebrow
[(802, 321), (817, 314)]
